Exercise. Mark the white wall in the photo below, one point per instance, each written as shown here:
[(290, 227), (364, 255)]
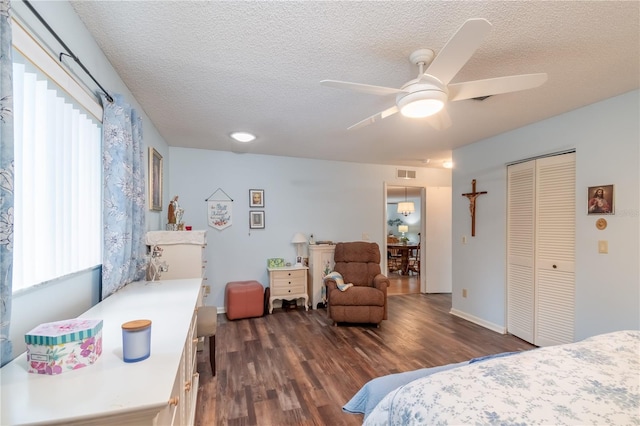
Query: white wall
[(437, 267), (335, 201), (606, 138)]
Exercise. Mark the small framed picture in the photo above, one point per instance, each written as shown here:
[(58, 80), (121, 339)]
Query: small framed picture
[(155, 180), (256, 198), (256, 219), (600, 199)]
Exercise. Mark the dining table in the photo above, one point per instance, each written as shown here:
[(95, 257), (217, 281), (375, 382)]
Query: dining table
[(404, 250)]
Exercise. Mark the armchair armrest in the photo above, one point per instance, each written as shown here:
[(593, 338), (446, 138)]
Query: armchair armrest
[(331, 285), (381, 282)]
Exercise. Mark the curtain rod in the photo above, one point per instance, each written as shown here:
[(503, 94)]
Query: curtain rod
[(69, 52)]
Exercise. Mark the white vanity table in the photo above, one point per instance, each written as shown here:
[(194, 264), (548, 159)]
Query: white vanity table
[(161, 390)]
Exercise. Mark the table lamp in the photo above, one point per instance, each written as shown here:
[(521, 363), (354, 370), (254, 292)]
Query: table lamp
[(298, 240), (403, 229)]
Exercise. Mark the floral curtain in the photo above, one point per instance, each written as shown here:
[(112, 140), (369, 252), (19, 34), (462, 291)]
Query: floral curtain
[(6, 180), (123, 258)]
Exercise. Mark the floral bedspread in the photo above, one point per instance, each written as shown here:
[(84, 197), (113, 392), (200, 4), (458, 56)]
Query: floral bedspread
[(595, 381)]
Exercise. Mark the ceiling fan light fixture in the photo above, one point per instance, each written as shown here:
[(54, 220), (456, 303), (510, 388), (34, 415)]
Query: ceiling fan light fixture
[(422, 104)]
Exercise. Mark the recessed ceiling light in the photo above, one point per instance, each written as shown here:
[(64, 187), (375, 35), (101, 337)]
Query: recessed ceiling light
[(447, 164), (242, 136)]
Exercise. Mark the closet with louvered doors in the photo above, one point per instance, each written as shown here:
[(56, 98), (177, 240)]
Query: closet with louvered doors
[(541, 213)]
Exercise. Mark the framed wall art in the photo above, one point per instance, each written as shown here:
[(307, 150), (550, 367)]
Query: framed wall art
[(256, 219), (256, 198), (600, 199), (155, 180)]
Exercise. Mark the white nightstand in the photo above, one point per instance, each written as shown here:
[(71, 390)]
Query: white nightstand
[(288, 283)]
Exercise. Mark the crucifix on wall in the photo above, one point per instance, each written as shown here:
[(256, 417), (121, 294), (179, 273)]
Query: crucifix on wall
[(472, 205)]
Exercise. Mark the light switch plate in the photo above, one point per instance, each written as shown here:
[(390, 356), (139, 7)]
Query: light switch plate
[(603, 246)]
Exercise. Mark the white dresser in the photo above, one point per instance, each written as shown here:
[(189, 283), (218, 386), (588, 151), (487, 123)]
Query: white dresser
[(183, 251), (320, 263), (161, 390)]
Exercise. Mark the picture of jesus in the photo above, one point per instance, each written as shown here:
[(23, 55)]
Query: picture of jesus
[(256, 198), (600, 199)]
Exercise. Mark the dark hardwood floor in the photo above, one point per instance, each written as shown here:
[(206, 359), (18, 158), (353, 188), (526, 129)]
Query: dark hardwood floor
[(295, 368)]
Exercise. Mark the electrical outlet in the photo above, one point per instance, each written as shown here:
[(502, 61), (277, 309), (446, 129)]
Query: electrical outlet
[(464, 239), (365, 236), (464, 292)]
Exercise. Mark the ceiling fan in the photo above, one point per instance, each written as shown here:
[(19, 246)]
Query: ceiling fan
[(426, 95)]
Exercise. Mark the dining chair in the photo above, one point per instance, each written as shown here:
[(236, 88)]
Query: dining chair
[(394, 259), (414, 260)]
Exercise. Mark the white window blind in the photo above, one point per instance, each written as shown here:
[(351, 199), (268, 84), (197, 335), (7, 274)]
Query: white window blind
[(57, 188)]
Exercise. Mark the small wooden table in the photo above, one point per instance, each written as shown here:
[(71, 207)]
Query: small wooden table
[(404, 250)]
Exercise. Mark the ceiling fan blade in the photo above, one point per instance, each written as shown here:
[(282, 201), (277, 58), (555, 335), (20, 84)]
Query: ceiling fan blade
[(440, 121), (495, 86), (366, 88), (458, 49), (376, 117)]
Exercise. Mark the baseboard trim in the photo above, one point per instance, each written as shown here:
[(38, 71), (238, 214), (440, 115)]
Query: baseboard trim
[(486, 324)]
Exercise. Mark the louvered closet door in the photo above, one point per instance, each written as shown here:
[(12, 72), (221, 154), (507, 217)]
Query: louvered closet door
[(541, 250), (520, 250), (555, 250)]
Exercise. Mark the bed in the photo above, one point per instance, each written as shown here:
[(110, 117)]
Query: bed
[(595, 381)]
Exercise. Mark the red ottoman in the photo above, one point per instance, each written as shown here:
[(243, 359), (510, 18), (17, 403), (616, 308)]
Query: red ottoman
[(244, 299)]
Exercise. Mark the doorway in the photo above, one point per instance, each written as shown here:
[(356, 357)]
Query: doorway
[(403, 239)]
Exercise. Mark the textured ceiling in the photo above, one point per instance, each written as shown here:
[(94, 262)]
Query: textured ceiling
[(202, 70)]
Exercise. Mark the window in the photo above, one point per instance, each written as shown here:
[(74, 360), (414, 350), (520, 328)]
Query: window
[(57, 188)]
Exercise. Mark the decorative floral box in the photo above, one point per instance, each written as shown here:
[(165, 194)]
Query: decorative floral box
[(56, 347), (276, 262)]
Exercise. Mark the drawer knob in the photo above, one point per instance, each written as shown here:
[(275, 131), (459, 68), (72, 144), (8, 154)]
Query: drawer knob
[(174, 401), (555, 266)]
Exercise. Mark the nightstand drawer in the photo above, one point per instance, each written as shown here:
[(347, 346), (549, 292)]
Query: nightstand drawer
[(289, 275), (283, 289)]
